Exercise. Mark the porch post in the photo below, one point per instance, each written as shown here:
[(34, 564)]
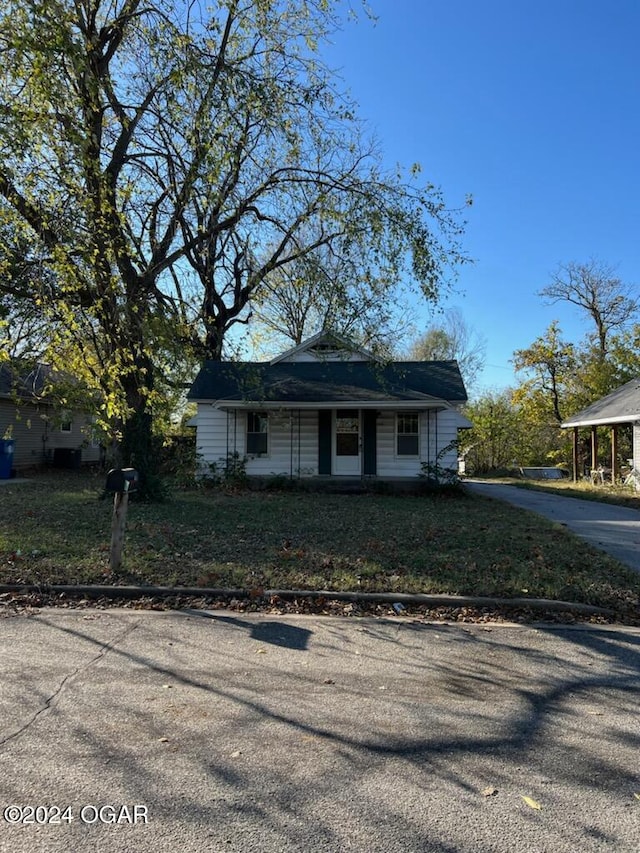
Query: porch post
[(594, 448), (369, 450), (290, 444), (324, 442), (614, 453), (575, 454)]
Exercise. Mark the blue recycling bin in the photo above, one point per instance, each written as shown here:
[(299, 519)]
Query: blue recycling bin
[(6, 458)]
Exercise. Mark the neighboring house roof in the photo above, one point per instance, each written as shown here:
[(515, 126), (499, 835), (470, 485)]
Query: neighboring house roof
[(326, 382), (621, 406), (17, 380)]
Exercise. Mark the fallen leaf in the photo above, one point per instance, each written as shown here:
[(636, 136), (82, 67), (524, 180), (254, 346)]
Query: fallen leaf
[(236, 754), (163, 739), (532, 803), (489, 792), (637, 796), (328, 681), (261, 651)]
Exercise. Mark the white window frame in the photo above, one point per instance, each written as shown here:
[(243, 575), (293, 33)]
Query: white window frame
[(265, 417), (399, 415)]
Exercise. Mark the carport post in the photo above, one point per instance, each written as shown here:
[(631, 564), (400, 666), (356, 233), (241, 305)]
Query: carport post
[(594, 448), (575, 454), (614, 453)]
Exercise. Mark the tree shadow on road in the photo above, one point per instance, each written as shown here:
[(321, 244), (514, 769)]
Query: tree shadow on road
[(426, 712)]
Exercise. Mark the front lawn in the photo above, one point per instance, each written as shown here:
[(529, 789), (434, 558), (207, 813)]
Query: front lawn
[(56, 530)]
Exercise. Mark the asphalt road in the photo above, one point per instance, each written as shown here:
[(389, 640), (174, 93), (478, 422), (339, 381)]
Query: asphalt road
[(234, 732), (613, 529)]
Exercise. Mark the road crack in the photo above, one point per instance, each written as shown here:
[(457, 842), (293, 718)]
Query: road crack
[(49, 701)]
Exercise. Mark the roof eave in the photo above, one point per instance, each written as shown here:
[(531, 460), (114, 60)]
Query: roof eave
[(329, 404), (612, 421)]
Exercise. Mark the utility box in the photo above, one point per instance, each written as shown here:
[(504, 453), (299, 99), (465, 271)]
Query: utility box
[(67, 457), (122, 480)]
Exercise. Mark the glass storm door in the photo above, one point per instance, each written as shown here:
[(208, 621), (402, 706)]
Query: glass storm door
[(346, 443)]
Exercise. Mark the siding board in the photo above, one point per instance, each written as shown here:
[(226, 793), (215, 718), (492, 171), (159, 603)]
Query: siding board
[(295, 445), (36, 437)]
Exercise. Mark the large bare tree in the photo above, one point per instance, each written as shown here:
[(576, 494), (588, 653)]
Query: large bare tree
[(453, 338), (594, 288)]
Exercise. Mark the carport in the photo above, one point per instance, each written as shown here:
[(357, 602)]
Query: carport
[(620, 407)]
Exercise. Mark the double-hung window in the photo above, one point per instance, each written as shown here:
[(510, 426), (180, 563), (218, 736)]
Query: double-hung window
[(407, 434), (257, 432)]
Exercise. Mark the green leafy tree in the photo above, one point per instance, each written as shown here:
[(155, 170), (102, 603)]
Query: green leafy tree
[(163, 160), (624, 352), (550, 365), (494, 442)]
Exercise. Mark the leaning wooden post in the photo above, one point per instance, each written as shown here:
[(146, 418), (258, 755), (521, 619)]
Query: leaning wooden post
[(118, 525), (120, 481)]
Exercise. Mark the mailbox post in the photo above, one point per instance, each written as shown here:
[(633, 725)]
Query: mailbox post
[(120, 481)]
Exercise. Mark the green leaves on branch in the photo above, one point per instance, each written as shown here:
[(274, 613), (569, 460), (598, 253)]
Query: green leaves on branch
[(163, 162)]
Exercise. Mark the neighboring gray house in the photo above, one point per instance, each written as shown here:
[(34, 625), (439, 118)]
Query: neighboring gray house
[(327, 408), (620, 407), (42, 433)]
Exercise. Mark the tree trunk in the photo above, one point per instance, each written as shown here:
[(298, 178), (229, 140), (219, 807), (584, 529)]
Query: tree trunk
[(215, 331), (138, 448)]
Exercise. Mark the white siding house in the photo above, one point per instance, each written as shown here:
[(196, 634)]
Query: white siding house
[(329, 409)]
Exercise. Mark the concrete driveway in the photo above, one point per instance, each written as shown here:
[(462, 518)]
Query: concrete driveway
[(613, 529), (215, 731)]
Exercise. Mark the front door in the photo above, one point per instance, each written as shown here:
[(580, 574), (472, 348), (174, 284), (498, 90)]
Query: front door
[(346, 443)]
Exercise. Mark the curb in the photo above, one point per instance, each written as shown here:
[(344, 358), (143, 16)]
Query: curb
[(132, 592)]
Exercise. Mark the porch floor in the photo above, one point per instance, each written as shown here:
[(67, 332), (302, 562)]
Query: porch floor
[(347, 485)]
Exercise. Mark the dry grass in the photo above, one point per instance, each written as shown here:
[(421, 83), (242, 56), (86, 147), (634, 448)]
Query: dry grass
[(584, 489), (56, 530)]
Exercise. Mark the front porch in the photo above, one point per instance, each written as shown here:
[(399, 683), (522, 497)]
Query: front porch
[(356, 446)]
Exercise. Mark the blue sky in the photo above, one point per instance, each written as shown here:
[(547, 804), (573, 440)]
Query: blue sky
[(533, 108)]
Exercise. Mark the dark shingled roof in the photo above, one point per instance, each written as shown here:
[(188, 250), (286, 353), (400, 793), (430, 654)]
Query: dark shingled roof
[(20, 380), (621, 406), (329, 382)]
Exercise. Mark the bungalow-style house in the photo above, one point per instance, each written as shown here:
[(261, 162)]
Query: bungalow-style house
[(41, 433), (329, 409), (620, 407)]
